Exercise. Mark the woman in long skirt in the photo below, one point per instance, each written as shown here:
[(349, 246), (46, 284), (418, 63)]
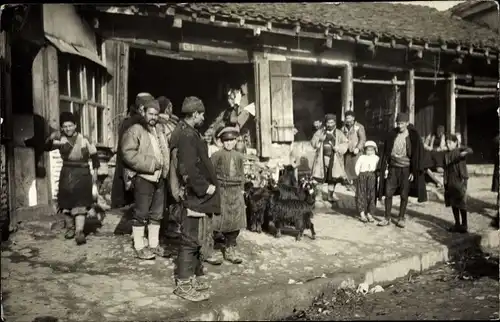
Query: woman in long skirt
[(74, 197)]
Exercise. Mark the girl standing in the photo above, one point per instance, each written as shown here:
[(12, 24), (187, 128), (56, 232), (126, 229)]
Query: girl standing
[(366, 184), (74, 197), (455, 181), (229, 168)]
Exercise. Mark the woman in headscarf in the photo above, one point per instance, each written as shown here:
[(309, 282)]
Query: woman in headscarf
[(74, 197)]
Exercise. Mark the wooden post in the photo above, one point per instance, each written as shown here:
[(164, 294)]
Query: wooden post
[(263, 105), (347, 90), (45, 79), (6, 106), (410, 95), (117, 60), (451, 108)]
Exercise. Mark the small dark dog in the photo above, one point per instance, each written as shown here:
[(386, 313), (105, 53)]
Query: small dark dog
[(256, 200)]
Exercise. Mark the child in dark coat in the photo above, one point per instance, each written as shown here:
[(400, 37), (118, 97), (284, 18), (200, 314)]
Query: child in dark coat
[(455, 181)]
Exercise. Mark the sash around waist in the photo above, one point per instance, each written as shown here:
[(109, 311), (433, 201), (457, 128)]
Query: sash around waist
[(75, 164)]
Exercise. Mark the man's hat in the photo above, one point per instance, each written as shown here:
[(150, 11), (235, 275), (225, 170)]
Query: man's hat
[(403, 117), (142, 98), (192, 104), (229, 133), (330, 116)]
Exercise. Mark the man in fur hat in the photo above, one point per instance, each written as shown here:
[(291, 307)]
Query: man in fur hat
[(194, 184), (401, 168), (121, 191), (331, 145), (147, 159)]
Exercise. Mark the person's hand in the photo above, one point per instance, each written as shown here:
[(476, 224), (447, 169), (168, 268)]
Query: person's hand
[(356, 151), (410, 178), (335, 149), (386, 174), (322, 137), (211, 189), (463, 154), (55, 135)]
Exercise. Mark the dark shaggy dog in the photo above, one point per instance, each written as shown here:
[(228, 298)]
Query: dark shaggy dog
[(292, 212), (287, 176)]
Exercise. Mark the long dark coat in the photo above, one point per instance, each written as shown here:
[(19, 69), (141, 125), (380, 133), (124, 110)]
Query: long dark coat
[(196, 171), (495, 179), (119, 196), (417, 166)]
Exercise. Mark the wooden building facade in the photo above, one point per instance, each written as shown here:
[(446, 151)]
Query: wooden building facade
[(52, 62), (299, 61), (294, 61)]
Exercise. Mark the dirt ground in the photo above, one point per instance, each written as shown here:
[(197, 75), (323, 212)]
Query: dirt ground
[(45, 275), (465, 288)]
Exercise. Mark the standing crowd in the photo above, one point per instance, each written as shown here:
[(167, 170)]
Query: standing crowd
[(164, 160)]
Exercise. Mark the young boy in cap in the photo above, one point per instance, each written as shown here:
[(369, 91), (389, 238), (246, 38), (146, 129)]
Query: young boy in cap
[(229, 167)]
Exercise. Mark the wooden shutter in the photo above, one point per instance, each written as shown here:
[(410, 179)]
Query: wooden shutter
[(263, 106), (281, 101)]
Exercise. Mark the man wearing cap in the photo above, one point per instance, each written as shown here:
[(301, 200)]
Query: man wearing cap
[(197, 189), (401, 168), (355, 133), (331, 145), (147, 159), (121, 191)]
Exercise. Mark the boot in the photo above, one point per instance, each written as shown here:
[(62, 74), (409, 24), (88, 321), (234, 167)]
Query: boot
[(231, 256), (141, 251), (401, 222), (185, 289), (69, 222), (154, 240), (79, 234), (362, 217), (214, 259), (199, 284), (369, 217)]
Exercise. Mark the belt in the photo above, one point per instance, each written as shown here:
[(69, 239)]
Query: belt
[(75, 164)]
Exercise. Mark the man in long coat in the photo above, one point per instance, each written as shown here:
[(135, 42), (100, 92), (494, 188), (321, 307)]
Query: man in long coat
[(199, 195), (401, 168), (328, 165)]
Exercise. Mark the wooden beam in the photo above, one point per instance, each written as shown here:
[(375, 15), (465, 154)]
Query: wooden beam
[(397, 98), (428, 78), (476, 96), (380, 81), (410, 95), (317, 80), (347, 90), (263, 105), (451, 106), (476, 89), (394, 69)]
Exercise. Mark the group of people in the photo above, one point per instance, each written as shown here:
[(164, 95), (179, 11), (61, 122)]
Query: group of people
[(163, 160), (161, 157), (345, 156)]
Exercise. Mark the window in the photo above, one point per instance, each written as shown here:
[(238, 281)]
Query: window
[(82, 89)]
